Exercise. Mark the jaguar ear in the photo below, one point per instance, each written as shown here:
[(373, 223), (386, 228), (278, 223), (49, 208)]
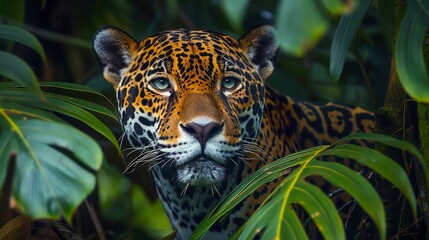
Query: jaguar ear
[(261, 47), (114, 49)]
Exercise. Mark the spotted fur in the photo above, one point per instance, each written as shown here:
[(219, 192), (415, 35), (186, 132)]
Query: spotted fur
[(195, 104)]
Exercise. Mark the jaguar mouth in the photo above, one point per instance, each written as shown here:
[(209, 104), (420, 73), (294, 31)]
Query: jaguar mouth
[(200, 159), (201, 170)]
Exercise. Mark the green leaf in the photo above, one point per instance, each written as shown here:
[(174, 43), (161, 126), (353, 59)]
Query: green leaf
[(13, 9), (8, 146), (80, 114), (16, 69), (20, 110), (409, 59), (390, 141), (263, 175), (334, 7), (346, 30), (77, 89), (270, 216), (292, 226), (64, 107), (84, 104), (320, 208), (266, 217), (20, 35), (48, 182), (234, 11), (296, 36), (354, 184), (381, 164)]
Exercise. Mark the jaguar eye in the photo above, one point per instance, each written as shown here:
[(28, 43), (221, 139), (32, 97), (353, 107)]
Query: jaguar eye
[(229, 83), (161, 84)]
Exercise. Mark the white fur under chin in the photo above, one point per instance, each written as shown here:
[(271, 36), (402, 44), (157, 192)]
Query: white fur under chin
[(201, 173)]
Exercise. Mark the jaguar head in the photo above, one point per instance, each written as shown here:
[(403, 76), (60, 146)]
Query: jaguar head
[(189, 100)]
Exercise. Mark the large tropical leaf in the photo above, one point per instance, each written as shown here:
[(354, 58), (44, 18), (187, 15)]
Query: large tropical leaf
[(409, 60), (17, 70), (275, 216), (53, 167), (65, 105), (20, 35)]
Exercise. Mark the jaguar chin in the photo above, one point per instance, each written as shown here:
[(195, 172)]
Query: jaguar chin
[(201, 170)]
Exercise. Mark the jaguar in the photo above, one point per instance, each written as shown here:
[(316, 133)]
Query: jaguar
[(196, 106)]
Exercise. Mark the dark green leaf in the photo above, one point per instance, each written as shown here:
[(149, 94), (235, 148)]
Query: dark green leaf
[(263, 175), (80, 114), (234, 11), (48, 183), (21, 110), (296, 36), (390, 141), (409, 60), (292, 226), (8, 146), (75, 88), (64, 107), (20, 35), (346, 30), (381, 164), (84, 104), (334, 7), (13, 9), (354, 184), (320, 208), (16, 69), (266, 216)]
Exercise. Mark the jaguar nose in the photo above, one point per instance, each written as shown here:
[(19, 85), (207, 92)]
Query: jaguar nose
[(202, 132)]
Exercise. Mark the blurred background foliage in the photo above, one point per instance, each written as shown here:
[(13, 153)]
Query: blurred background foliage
[(127, 205)]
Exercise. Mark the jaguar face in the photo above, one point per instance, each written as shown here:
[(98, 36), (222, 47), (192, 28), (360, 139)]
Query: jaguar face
[(190, 101)]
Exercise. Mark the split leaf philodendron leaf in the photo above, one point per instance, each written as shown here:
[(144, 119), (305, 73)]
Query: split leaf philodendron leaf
[(53, 166)]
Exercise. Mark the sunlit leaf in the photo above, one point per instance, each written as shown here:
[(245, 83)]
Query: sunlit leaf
[(409, 60), (234, 11), (346, 30), (20, 35), (296, 36), (49, 179), (16, 69), (334, 7)]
